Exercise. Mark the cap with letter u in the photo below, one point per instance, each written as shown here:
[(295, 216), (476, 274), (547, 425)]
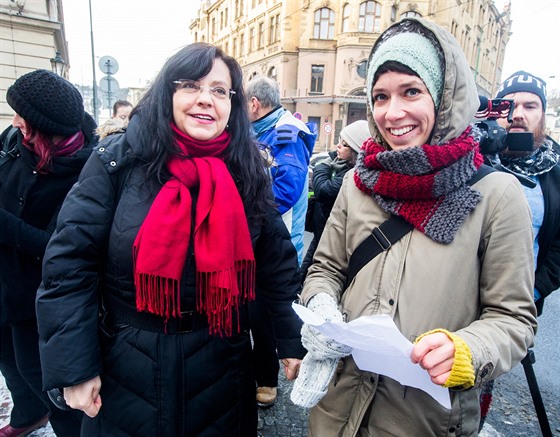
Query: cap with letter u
[(521, 81)]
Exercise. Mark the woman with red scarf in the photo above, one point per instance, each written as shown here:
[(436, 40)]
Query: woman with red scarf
[(459, 284), (166, 236), (45, 149)]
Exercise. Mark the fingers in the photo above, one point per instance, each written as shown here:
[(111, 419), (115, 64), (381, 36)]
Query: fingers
[(291, 368), (85, 396), (436, 354)]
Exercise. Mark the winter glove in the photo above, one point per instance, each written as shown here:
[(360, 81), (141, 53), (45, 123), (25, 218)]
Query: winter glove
[(319, 365), (319, 346), (313, 379)]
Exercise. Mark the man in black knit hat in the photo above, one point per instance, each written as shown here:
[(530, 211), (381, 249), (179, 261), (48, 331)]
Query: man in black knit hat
[(528, 93)]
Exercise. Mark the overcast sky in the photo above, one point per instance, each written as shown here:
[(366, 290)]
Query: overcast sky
[(142, 34)]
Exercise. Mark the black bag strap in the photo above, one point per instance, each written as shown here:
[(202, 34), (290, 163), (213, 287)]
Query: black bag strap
[(388, 233), (380, 240), (8, 153)]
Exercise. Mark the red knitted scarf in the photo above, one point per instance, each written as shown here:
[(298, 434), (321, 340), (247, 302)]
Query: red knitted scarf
[(426, 185), (225, 263)]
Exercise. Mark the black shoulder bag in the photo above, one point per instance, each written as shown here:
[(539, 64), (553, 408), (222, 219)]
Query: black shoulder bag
[(8, 153)]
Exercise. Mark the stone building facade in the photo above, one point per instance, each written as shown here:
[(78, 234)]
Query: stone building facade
[(317, 49), (31, 32)]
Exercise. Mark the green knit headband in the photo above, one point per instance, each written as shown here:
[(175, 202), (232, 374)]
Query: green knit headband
[(416, 52)]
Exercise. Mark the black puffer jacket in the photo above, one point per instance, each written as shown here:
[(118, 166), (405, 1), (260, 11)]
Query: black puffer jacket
[(29, 204), (153, 384)]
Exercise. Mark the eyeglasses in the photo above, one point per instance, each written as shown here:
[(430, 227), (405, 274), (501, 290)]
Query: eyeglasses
[(193, 87)]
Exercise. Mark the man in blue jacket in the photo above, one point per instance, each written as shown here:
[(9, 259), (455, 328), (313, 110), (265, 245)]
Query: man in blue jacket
[(289, 142)]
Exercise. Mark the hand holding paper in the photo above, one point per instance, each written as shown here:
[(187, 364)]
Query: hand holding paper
[(378, 346)]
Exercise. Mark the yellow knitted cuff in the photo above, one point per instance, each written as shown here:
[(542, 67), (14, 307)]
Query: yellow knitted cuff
[(462, 371)]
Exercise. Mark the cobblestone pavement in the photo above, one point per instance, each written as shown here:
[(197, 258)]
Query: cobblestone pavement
[(512, 412)]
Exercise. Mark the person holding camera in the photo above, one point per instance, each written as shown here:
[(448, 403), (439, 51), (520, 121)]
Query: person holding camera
[(541, 165), (458, 284)]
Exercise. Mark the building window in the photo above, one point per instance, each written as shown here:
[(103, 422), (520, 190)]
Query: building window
[(251, 39), (238, 8), (273, 73), (361, 69), (241, 45), (370, 17), (317, 121), (410, 14), (261, 36), (324, 24), (234, 47), (393, 13), (317, 74), (346, 18), (274, 29), (225, 17)]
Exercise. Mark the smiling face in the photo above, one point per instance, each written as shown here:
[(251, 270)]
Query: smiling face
[(403, 110), (202, 115)]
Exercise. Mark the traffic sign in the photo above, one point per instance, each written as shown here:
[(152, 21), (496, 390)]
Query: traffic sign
[(298, 115), (108, 65), (328, 128)]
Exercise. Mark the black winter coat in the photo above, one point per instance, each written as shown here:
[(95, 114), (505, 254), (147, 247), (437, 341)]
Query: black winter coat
[(29, 204), (547, 276), (153, 383)]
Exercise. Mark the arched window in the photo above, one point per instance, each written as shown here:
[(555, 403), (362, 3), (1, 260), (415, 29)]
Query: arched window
[(273, 73), (346, 18), (410, 14), (324, 24), (361, 69), (370, 17)]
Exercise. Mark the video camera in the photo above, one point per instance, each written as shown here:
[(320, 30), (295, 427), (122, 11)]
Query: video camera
[(495, 139)]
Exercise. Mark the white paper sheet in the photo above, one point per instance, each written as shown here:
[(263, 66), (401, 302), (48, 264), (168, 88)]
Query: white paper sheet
[(378, 346)]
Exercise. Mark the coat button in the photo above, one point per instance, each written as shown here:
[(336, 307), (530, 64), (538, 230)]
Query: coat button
[(372, 379), (391, 302), (20, 200), (113, 164), (452, 429), (102, 149)]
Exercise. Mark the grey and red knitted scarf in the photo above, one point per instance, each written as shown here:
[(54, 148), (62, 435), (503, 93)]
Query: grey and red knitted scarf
[(426, 185)]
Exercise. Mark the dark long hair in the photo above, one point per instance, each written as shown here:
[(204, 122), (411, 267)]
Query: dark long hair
[(156, 110)]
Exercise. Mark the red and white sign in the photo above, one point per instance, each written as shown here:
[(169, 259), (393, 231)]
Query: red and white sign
[(328, 128), (298, 115)]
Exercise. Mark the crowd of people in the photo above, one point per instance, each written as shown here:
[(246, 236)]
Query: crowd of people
[(149, 265)]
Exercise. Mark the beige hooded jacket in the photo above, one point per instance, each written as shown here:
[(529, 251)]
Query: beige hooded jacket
[(480, 287)]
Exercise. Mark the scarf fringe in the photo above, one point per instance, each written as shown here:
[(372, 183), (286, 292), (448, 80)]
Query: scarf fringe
[(217, 293)]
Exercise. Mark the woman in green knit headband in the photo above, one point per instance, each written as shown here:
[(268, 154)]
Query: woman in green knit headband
[(458, 285)]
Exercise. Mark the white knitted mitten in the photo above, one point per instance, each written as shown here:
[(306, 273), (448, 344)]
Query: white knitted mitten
[(312, 381), (319, 346)]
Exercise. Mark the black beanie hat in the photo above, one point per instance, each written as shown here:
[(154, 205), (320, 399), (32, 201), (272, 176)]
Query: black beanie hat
[(521, 81), (47, 102)]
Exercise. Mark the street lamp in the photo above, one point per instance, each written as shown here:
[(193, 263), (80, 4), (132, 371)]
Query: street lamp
[(58, 65)]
